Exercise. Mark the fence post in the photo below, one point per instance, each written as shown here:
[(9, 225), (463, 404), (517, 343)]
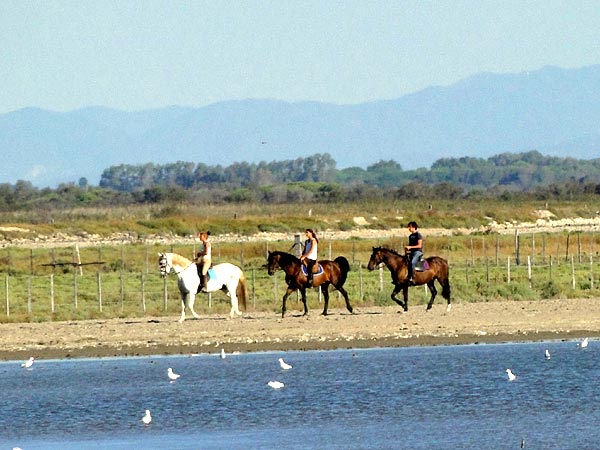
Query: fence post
[(380, 279), (52, 292), (591, 272), (253, 288), (360, 282), (572, 272), (121, 288), (99, 282), (7, 297), (529, 271), (165, 295), (143, 292), (75, 286), (29, 294), (508, 270)]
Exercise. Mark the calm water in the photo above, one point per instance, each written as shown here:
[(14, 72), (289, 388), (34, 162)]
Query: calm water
[(454, 397)]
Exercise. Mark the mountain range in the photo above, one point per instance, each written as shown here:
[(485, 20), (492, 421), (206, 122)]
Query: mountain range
[(553, 110)]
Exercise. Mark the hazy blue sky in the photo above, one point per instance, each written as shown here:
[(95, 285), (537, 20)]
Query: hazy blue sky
[(132, 55)]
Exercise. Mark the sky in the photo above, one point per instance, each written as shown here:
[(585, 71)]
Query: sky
[(133, 55)]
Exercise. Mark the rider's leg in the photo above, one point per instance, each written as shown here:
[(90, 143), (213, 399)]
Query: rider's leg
[(309, 270), (204, 278)]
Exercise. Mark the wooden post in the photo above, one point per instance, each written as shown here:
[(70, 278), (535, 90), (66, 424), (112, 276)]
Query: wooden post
[(543, 249), (508, 270), (380, 279), (143, 286), (572, 272), (165, 295), (75, 293), (29, 294), (52, 293), (99, 285), (78, 259), (529, 270), (360, 282), (517, 247), (567, 248), (253, 288), (550, 269), (122, 288), (591, 272), (7, 297)]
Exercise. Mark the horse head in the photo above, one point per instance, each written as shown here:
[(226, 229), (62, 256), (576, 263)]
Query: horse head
[(163, 264), (375, 259), (272, 263)]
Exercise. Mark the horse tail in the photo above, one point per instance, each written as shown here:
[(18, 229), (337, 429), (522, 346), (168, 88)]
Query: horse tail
[(241, 290), (446, 289), (344, 265)]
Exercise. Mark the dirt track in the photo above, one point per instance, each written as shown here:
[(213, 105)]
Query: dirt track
[(367, 327)]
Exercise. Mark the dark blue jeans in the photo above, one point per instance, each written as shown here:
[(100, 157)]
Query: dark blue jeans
[(413, 258)]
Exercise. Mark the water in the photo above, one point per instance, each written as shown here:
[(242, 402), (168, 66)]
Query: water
[(450, 397)]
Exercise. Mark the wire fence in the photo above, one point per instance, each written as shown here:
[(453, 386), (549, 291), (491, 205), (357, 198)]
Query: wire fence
[(73, 283)]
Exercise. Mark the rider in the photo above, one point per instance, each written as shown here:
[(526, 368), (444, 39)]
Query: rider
[(204, 259), (310, 254), (414, 248)]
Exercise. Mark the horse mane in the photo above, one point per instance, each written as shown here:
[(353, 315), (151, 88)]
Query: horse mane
[(180, 260), (390, 250), (285, 255)]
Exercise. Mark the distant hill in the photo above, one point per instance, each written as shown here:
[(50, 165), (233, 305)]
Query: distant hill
[(553, 110)]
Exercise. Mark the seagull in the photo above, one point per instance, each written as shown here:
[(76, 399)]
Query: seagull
[(511, 376), (547, 354), (172, 375), (284, 365), (223, 356), (584, 343), (276, 384), (27, 364), (147, 417)]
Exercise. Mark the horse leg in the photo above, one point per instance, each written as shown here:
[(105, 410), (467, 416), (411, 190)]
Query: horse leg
[(234, 303), (446, 293), (285, 296), (183, 302), (345, 294), (395, 292), (192, 299), (325, 300), (303, 295), (433, 291), (405, 295)]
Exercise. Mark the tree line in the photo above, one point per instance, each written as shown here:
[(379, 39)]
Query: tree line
[(316, 178)]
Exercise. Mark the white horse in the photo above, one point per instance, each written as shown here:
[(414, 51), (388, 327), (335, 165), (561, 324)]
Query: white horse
[(227, 277)]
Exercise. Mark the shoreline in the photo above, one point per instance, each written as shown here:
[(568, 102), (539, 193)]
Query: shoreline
[(368, 327)]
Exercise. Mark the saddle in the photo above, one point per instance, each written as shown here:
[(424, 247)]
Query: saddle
[(318, 266), (421, 265)]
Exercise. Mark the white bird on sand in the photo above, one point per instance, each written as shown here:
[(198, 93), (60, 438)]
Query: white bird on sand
[(511, 376), (276, 384), (547, 354), (284, 365), (223, 356), (172, 375), (27, 364), (584, 343), (147, 417)]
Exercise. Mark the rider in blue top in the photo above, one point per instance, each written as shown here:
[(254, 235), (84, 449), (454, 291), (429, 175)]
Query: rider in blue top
[(414, 248)]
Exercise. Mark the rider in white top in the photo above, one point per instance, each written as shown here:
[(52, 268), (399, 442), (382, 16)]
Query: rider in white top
[(310, 254)]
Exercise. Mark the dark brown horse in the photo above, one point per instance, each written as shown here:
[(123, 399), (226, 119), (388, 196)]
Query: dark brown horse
[(332, 273), (398, 266)]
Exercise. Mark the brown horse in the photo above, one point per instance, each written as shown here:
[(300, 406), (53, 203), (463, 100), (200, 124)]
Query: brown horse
[(398, 266), (330, 273)]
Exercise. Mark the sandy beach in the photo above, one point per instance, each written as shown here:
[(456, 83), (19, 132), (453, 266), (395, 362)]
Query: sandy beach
[(489, 322)]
